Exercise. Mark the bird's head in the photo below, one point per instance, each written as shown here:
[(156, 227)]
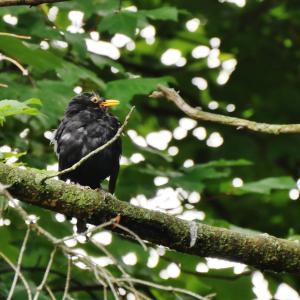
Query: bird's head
[(91, 100)]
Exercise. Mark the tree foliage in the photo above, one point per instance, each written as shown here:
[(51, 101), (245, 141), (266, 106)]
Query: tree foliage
[(239, 61)]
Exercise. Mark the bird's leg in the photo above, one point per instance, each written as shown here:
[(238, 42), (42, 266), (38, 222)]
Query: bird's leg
[(113, 178), (81, 225)]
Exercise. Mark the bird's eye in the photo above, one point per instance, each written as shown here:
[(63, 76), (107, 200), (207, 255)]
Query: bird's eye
[(95, 99)]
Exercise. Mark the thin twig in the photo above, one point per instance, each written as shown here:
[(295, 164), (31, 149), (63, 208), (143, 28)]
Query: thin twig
[(141, 242), (97, 276), (109, 281), (25, 283), (24, 37), (68, 278), (50, 292), (104, 293), (117, 264), (163, 287), (239, 123), (90, 230), (84, 259), (13, 286), (94, 152), (138, 295), (3, 85), (16, 63), (210, 275), (46, 274)]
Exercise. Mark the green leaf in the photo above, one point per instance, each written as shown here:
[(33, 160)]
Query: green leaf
[(196, 177), (31, 54), (106, 6), (202, 172), (120, 22), (73, 73), (99, 7), (125, 89), (55, 99), (62, 20), (228, 163), (102, 61), (35, 101), (77, 43), (193, 178), (265, 186), (162, 13), (14, 107)]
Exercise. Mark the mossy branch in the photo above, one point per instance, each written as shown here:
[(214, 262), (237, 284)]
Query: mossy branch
[(259, 250), (195, 113)]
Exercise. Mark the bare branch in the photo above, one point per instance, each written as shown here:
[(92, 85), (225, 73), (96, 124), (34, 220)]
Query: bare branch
[(16, 63), (87, 232), (46, 274), (27, 2), (114, 260), (172, 95), (163, 287), (25, 283), (104, 293), (18, 36), (135, 236), (94, 152), (50, 292), (13, 286), (96, 274), (68, 278), (111, 285)]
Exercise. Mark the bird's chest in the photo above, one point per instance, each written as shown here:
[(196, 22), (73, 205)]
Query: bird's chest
[(83, 134)]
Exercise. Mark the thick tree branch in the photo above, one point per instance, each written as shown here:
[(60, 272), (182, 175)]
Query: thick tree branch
[(259, 250), (198, 114), (27, 2)]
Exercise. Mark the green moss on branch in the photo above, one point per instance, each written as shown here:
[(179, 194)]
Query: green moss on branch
[(260, 250)]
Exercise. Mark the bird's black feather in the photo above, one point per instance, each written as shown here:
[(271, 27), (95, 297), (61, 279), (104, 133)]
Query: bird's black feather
[(85, 127)]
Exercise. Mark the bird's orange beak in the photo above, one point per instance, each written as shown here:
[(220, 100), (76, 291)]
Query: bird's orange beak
[(109, 103)]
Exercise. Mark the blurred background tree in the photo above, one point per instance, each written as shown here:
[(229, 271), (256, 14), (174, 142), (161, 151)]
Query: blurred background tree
[(235, 57)]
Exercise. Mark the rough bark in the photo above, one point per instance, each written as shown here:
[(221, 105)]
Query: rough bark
[(258, 250)]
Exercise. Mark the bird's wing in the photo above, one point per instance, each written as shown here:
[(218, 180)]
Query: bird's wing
[(100, 132), (70, 137), (57, 134)]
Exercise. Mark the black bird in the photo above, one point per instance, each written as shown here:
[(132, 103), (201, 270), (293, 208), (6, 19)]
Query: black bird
[(86, 126)]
